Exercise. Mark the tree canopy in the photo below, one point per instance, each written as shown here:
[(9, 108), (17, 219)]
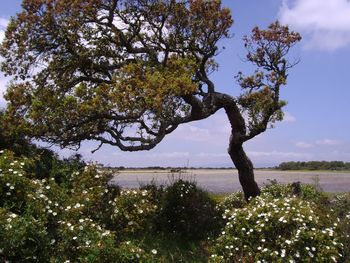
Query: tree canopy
[(127, 73)]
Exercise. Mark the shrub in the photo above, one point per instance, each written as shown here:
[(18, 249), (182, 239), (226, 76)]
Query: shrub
[(340, 205), (234, 200), (283, 229), (84, 241), (340, 208), (134, 212), (32, 213), (22, 238), (187, 211), (62, 170), (91, 196), (304, 191)]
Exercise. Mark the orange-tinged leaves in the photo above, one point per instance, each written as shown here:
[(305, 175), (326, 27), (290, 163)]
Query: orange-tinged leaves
[(140, 85)]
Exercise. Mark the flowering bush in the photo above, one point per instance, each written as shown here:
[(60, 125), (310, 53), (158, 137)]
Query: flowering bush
[(270, 229), (22, 238), (90, 196), (78, 217), (304, 191), (134, 211), (187, 211), (234, 200), (340, 207), (84, 241), (42, 220)]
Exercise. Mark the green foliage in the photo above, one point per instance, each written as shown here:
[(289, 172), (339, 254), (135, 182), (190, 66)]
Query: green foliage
[(187, 211), (134, 212), (84, 241), (83, 219), (234, 200), (315, 165), (273, 229), (304, 191), (44, 221), (22, 238)]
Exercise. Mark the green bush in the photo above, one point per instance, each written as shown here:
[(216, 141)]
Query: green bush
[(340, 208), (234, 200), (33, 213), (271, 229), (74, 215), (84, 241), (90, 196), (134, 212), (187, 211), (22, 238)]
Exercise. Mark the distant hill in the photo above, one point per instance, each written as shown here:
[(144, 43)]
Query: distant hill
[(315, 165)]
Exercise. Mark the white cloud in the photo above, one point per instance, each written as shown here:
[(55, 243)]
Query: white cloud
[(288, 117), (3, 82), (169, 155), (3, 25), (3, 22), (328, 142), (325, 24), (214, 130), (212, 155), (279, 155), (304, 145), (190, 132)]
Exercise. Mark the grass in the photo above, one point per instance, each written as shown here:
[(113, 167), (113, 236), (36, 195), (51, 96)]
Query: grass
[(172, 249)]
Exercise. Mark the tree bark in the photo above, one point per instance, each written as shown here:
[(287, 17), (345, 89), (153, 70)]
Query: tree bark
[(245, 169)]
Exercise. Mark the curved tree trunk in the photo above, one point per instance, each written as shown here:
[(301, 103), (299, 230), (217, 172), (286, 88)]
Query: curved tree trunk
[(245, 169)]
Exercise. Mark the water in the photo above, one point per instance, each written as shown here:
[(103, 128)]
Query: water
[(226, 181)]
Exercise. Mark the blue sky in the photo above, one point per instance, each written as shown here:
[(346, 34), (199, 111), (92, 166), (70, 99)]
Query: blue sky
[(316, 125)]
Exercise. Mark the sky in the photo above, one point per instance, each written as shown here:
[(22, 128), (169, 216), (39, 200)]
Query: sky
[(316, 124)]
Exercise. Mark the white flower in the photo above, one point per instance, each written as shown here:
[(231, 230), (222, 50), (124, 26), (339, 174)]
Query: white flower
[(74, 238), (154, 251), (283, 253)]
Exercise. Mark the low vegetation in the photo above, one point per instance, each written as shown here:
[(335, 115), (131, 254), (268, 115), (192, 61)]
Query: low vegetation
[(315, 165), (73, 215)]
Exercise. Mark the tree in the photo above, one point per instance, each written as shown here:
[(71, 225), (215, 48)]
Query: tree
[(127, 73)]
